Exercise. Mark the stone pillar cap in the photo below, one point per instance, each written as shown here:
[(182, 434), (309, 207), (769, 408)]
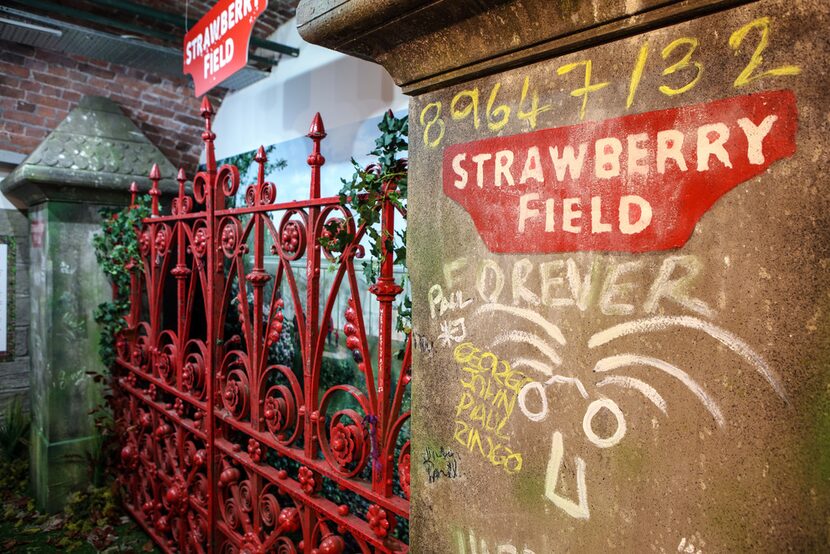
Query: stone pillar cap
[(92, 157), (430, 45)]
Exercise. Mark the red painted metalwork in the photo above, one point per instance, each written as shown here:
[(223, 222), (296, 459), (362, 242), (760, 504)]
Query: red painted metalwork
[(224, 451)]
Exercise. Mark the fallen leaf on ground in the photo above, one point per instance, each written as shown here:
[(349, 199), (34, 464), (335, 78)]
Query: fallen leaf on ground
[(55, 522)]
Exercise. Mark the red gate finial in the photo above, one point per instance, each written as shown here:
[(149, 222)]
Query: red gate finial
[(183, 203), (181, 177), (316, 133), (260, 159), (208, 136), (155, 177), (133, 192), (206, 109), (317, 130)]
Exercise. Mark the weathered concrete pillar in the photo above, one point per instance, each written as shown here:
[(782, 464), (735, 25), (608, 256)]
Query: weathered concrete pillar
[(84, 165), (620, 258)]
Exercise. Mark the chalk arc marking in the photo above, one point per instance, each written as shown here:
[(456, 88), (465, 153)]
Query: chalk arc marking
[(550, 328), (631, 383), (531, 339), (533, 364), (661, 323), (627, 360)]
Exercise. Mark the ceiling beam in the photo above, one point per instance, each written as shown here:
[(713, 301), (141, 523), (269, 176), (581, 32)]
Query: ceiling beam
[(182, 23), (124, 26), (54, 8)]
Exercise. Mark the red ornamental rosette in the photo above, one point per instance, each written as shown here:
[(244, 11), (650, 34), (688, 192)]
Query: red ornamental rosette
[(403, 473), (346, 441)]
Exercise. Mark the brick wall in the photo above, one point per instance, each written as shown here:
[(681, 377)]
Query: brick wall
[(38, 88)]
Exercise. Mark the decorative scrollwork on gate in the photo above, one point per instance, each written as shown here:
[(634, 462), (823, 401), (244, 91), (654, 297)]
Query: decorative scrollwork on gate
[(226, 447)]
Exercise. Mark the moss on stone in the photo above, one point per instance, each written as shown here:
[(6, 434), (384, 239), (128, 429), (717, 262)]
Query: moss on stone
[(629, 460), (528, 490)]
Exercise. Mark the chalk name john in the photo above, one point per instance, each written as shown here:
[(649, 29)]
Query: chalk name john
[(632, 184)]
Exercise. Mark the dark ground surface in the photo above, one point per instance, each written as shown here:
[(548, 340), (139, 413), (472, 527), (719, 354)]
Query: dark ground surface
[(92, 521)]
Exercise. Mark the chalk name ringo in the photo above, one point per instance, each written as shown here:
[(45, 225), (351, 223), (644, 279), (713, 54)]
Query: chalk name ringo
[(636, 183), (486, 403)]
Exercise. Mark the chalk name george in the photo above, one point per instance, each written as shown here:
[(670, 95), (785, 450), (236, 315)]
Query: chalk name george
[(635, 183)]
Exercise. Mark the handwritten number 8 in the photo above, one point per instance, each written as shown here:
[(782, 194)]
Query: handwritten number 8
[(435, 121)]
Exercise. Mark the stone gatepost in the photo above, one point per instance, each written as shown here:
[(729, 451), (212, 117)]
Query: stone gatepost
[(87, 163), (620, 260)]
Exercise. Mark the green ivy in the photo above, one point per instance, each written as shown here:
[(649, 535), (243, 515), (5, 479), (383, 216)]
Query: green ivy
[(364, 194), (14, 429), (115, 246)]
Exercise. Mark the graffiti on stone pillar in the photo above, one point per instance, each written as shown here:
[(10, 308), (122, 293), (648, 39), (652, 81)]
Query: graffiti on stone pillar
[(608, 370), (492, 385), (490, 388), (468, 543), (491, 110), (441, 463), (620, 228)]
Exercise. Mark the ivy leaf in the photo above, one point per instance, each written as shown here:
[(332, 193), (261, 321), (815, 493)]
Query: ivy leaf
[(115, 246), (364, 194)]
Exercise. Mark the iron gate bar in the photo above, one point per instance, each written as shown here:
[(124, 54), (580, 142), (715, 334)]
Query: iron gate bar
[(197, 412)]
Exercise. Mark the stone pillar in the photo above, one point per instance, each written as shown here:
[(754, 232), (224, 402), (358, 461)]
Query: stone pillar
[(83, 166), (619, 251), (66, 287)]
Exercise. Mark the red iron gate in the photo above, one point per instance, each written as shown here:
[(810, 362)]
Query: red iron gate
[(224, 450)]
